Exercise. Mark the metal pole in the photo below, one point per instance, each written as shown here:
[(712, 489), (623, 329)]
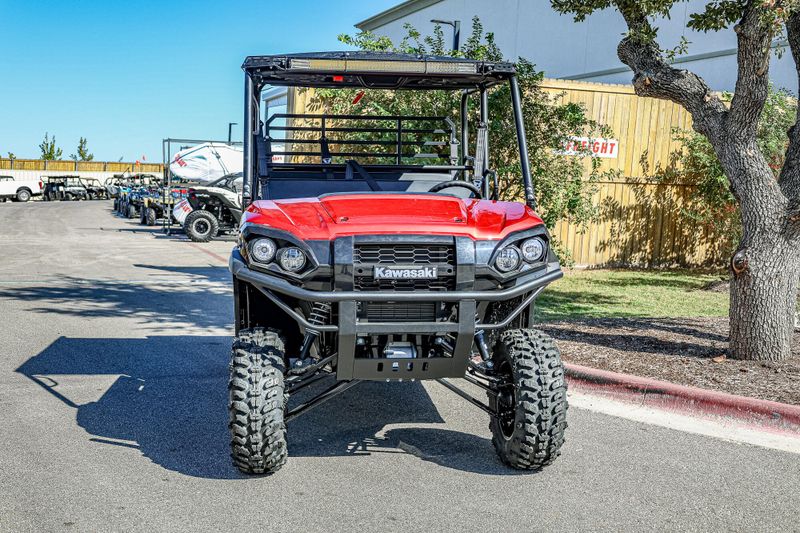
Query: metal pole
[(482, 406), (456, 34), (485, 125), (248, 183), (323, 397), (464, 127), (530, 194), (230, 130)]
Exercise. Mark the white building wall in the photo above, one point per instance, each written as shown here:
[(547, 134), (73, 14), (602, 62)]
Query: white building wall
[(563, 48)]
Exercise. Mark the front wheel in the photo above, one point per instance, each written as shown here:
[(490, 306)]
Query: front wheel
[(150, 216), (257, 402), (532, 404), (201, 226)]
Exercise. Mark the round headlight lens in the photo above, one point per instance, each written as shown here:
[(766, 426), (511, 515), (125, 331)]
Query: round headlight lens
[(292, 259), (263, 250), (507, 260), (532, 249)]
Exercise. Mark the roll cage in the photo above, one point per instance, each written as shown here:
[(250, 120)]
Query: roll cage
[(332, 142)]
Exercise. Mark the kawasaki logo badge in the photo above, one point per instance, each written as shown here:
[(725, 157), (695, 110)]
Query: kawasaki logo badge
[(405, 272)]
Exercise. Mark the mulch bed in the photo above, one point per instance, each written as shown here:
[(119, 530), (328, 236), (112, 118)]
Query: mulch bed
[(689, 351)]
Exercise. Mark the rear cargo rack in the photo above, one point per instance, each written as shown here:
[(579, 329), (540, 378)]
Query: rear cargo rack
[(398, 138)]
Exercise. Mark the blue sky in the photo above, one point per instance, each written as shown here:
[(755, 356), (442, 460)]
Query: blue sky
[(126, 74)]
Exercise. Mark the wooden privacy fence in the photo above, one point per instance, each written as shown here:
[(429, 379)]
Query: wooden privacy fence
[(644, 224), (79, 166), (639, 223)]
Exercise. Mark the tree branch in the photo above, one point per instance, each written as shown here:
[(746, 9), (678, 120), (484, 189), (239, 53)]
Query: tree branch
[(790, 173), (752, 82), (654, 77)]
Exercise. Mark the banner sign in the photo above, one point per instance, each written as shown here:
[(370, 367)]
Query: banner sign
[(605, 148)]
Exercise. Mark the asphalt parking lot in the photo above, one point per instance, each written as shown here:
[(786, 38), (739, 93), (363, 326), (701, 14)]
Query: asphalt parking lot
[(113, 371)]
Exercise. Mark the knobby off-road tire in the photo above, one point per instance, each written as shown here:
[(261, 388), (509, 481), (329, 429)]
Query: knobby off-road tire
[(530, 436), (131, 211), (201, 226), (150, 216), (257, 402)]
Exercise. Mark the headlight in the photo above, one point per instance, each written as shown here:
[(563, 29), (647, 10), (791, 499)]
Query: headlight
[(263, 250), (507, 260), (532, 249), (292, 259)]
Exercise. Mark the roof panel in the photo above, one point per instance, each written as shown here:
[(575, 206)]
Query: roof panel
[(387, 70)]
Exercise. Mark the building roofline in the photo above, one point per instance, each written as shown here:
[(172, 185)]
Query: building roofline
[(393, 13)]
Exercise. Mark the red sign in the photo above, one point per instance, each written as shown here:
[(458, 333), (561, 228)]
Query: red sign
[(606, 148)]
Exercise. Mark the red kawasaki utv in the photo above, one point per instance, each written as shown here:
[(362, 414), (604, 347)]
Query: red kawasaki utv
[(374, 248)]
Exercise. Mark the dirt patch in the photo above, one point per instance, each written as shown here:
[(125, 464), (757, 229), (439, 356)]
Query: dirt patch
[(689, 351)]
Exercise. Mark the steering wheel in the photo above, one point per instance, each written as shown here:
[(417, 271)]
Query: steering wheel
[(463, 184)]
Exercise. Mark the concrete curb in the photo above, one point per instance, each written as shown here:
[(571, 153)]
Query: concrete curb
[(661, 394)]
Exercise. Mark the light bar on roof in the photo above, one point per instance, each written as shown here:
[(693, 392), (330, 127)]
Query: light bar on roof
[(451, 67), (399, 67)]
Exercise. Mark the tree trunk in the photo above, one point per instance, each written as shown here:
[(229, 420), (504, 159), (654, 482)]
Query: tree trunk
[(766, 266), (763, 300)]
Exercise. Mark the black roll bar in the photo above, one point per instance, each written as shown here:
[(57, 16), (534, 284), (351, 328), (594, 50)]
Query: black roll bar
[(524, 161), (251, 105)]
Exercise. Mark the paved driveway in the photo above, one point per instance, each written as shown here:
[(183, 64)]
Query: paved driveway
[(113, 368)]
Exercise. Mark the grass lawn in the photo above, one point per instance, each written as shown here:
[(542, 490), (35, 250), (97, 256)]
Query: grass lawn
[(631, 293)]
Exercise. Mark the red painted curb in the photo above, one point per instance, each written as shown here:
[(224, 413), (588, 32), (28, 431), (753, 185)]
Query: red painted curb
[(663, 394)]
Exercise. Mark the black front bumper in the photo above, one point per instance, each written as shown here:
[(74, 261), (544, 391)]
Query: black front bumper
[(349, 326)]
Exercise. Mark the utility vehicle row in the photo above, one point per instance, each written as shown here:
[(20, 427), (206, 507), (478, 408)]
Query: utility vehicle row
[(203, 211)]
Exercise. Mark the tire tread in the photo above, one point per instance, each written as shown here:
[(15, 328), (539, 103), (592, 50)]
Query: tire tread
[(257, 401), (541, 400)]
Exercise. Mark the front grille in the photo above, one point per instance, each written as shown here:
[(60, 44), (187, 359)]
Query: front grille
[(398, 311), (404, 254), (441, 255), (367, 283)]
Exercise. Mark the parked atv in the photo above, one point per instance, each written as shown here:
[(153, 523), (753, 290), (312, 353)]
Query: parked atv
[(95, 190), (64, 188), (161, 202), (211, 209), (379, 251), (121, 188)]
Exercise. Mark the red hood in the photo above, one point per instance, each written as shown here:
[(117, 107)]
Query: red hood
[(381, 214)]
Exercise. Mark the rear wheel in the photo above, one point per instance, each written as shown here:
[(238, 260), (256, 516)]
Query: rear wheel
[(257, 401), (23, 195), (201, 226), (532, 406)]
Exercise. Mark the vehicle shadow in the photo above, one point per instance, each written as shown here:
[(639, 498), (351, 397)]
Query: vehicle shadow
[(156, 305), (169, 401)]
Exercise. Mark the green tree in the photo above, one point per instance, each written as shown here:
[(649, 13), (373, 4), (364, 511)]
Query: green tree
[(766, 265), (49, 149), (564, 187), (712, 202), (83, 153), (11, 155)]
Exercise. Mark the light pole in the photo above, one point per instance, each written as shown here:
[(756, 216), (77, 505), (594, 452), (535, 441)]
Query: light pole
[(456, 24), (230, 128)]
